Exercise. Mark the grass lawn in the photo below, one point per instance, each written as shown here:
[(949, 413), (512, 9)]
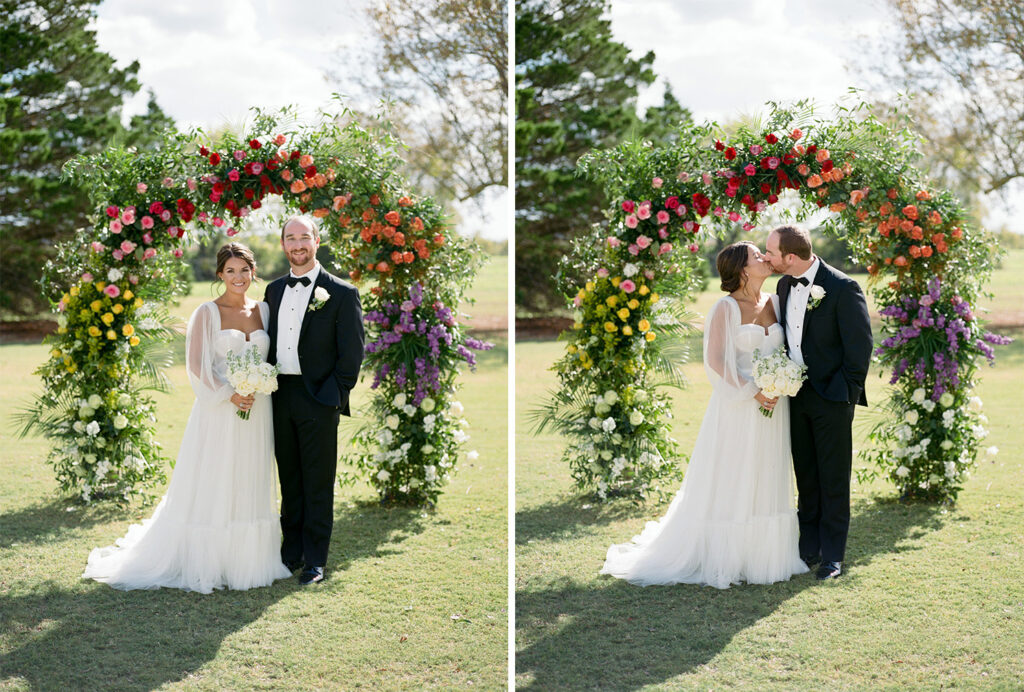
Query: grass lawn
[(932, 597), (414, 599)]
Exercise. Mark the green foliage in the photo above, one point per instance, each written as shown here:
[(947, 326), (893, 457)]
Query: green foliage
[(576, 90), (61, 97)]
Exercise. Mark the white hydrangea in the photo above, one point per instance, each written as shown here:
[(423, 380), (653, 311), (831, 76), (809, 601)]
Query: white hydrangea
[(383, 475), (902, 472), (430, 473), (428, 423), (950, 469)]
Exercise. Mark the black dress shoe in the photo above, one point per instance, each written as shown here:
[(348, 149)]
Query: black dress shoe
[(311, 575), (829, 570), (293, 565), (811, 560)]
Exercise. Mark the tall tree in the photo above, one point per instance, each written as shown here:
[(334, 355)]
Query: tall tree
[(60, 97), (963, 61), (444, 66), (576, 89)]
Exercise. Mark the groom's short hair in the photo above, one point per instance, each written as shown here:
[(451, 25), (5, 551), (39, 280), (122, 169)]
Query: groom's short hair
[(304, 219), (794, 241)]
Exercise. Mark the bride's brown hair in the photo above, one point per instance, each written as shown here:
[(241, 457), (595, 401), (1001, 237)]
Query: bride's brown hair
[(238, 250), (730, 262)]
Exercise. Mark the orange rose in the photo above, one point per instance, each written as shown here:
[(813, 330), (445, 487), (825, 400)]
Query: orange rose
[(814, 181), (862, 214), (374, 200), (827, 176), (891, 193), (837, 175), (396, 257), (404, 202), (331, 174), (297, 186), (915, 251), (320, 179), (393, 218), (934, 218), (305, 160), (956, 233), (856, 197), (910, 211), (286, 175), (416, 223), (355, 275), (837, 206), (872, 270), (383, 267), (803, 169), (926, 251), (917, 233), (894, 285), (941, 247), (939, 238), (822, 155), (408, 257), (321, 213), (906, 225), (900, 261), (399, 239), (923, 195), (339, 202), (376, 290), (388, 231), (368, 214), (344, 220), (306, 197), (438, 239), (888, 260), (885, 209), (366, 235)]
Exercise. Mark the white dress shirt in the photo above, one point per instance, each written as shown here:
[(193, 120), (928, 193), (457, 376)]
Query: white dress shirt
[(796, 308), (289, 321)]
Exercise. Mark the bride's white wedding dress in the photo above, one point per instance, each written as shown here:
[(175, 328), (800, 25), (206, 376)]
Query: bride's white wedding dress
[(733, 520), (218, 523)]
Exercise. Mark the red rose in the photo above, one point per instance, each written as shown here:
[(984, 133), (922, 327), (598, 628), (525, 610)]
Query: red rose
[(701, 204), (272, 164), (813, 148), (747, 199), (249, 194), (214, 159), (628, 206), (770, 138), (203, 151), (256, 204), (772, 199), (311, 171), (765, 188), (672, 202), (295, 154), (827, 166), (730, 154), (255, 143), (718, 145), (787, 159), (218, 188), (112, 211)]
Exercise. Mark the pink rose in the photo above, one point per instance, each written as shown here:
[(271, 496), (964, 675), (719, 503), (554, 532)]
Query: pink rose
[(141, 187), (147, 238), (257, 168), (178, 253), (279, 140), (755, 149), (761, 206), (61, 305), (643, 242), (664, 249), (730, 192), (633, 249), (644, 212), (165, 215), (734, 216), (750, 169), (656, 183), (694, 247), (662, 216), (628, 286), (191, 182), (631, 221), (203, 216), (684, 176), (649, 273), (118, 255), (577, 301), (112, 211), (127, 246), (172, 231), (239, 154), (773, 162), (663, 233), (147, 222), (688, 226), (705, 178), (218, 222), (748, 226), (97, 247), (614, 242), (681, 210), (718, 211), (243, 212), (168, 182), (132, 279), (233, 175), (87, 277), (602, 272), (231, 232), (128, 216), (796, 134), (628, 206), (112, 290), (115, 226), (150, 252)]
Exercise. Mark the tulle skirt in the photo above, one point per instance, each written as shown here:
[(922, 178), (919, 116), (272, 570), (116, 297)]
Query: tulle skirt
[(218, 525), (733, 520)]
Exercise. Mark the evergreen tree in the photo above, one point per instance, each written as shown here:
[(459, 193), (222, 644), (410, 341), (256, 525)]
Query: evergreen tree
[(576, 89), (60, 97)]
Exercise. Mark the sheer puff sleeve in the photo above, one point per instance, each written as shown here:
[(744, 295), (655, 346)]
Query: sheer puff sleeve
[(200, 353), (720, 352)]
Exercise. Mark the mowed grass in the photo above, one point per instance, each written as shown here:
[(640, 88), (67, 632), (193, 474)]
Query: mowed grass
[(932, 597), (414, 598)]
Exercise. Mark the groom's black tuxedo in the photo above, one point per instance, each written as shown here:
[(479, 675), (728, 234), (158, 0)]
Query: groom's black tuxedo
[(307, 409), (836, 344)]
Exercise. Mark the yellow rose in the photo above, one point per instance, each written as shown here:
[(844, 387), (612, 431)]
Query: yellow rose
[(586, 365), (571, 348), (655, 298), (99, 285), (644, 290), (108, 318), (72, 367), (111, 334), (127, 330), (62, 330), (610, 327), (577, 325), (96, 306), (65, 299), (590, 286), (612, 301), (644, 325), (134, 341), (84, 313), (627, 330), (138, 302), (633, 304), (55, 353), (623, 314), (94, 331), (616, 281), (649, 336), (74, 290), (128, 295), (117, 309)]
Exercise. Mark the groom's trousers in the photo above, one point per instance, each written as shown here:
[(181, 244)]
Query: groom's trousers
[(306, 447), (822, 441)]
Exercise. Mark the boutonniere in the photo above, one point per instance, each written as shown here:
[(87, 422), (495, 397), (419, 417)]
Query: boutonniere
[(817, 293), (320, 298)]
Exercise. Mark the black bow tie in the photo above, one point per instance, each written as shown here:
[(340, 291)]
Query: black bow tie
[(802, 280), (304, 280)]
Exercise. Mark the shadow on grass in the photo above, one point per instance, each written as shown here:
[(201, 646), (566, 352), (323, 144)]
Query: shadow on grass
[(564, 518), (42, 523), (612, 635), (95, 637)]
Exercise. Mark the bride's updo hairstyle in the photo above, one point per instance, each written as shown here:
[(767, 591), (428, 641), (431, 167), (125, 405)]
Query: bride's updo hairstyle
[(730, 262), (235, 250)]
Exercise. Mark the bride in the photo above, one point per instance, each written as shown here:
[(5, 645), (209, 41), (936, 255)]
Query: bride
[(217, 525), (733, 520)]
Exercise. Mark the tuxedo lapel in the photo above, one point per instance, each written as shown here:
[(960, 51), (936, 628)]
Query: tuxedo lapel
[(785, 283)]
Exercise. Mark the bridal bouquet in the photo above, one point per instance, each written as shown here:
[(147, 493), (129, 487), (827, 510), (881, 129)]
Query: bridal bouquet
[(777, 375), (249, 374)]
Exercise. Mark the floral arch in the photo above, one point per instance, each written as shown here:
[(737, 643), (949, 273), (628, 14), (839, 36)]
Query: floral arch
[(926, 267), (109, 284)]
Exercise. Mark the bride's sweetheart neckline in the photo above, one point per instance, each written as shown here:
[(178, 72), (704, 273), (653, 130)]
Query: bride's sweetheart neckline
[(765, 330), (246, 334)]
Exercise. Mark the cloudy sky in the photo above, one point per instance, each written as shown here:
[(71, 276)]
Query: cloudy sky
[(208, 61)]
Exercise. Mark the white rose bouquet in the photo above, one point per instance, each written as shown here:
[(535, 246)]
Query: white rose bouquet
[(249, 374), (777, 375)]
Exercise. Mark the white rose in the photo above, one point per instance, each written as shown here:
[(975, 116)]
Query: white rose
[(383, 475), (636, 418), (430, 473), (817, 292), (427, 405), (902, 472), (630, 270), (974, 403), (946, 400), (79, 427), (95, 401), (409, 410), (948, 415), (608, 425), (918, 395), (928, 405), (114, 275), (602, 409), (86, 412), (950, 469), (399, 400), (321, 294), (595, 423), (947, 444), (456, 408), (610, 397), (427, 448), (120, 422), (93, 429), (391, 422), (123, 400), (640, 396), (606, 454), (911, 417)]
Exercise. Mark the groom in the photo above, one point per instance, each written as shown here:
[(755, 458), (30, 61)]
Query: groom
[(316, 338), (825, 319)]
